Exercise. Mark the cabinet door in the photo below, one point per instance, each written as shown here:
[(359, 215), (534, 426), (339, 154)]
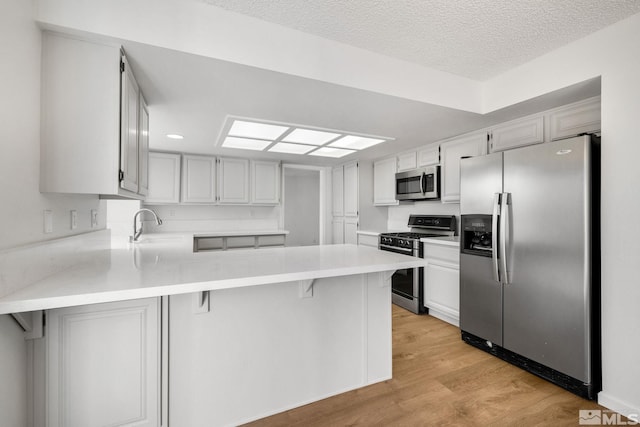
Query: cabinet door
[(581, 117), (198, 179), (337, 180), (338, 230), (384, 182), (143, 149), (233, 181), (442, 290), (103, 365), (407, 162), (517, 134), (452, 151), (351, 189), (164, 178), (129, 129), (429, 155), (351, 230), (265, 180)]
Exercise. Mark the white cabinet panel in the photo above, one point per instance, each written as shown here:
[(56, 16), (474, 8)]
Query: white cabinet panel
[(129, 130), (337, 185), (581, 117), (429, 155), (164, 178), (442, 281), (103, 365), (384, 182), (407, 161), (265, 180), (338, 230), (233, 181), (517, 134), (452, 151), (143, 148), (198, 179), (351, 230), (368, 240), (351, 189)]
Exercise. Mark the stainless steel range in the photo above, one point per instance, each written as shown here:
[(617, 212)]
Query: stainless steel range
[(406, 285)]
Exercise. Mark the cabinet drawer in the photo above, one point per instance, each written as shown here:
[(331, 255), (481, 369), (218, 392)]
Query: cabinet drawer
[(275, 240), (208, 244), (446, 253), (241, 242)]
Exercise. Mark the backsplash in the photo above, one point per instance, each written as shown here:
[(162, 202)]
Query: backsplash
[(398, 216)]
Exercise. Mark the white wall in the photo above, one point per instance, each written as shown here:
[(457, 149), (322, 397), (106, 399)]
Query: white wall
[(21, 216), (613, 53)]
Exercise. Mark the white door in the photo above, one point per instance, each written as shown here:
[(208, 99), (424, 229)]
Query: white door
[(143, 149), (164, 178), (351, 189), (265, 180), (103, 365), (337, 185), (338, 230), (233, 181), (351, 230), (129, 130), (198, 179)]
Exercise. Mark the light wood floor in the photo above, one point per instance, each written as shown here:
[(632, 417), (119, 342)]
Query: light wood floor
[(440, 380)]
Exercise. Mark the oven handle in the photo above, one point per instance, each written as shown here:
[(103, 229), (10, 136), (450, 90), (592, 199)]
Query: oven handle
[(395, 249)]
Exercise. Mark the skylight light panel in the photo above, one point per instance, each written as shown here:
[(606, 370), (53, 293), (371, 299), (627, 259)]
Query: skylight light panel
[(245, 143), (331, 152), (309, 136), (355, 142), (285, 147), (255, 130)]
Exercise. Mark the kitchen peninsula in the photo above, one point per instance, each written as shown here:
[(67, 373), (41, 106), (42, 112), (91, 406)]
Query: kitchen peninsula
[(242, 334)]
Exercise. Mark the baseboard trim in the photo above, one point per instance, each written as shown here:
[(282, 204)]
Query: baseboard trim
[(618, 405)]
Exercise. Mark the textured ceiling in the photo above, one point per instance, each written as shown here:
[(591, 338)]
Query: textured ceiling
[(478, 39)]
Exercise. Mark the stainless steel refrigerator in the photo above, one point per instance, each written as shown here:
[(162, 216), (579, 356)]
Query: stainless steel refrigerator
[(530, 259)]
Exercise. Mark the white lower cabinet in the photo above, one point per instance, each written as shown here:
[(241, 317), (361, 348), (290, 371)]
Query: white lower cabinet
[(103, 365), (366, 238), (442, 281)]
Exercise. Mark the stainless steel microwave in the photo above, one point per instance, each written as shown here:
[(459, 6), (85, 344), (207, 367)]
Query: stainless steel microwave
[(418, 184)]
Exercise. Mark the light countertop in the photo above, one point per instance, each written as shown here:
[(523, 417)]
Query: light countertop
[(165, 264)]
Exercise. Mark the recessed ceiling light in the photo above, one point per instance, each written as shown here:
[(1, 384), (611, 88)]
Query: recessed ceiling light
[(174, 136), (285, 147), (308, 136), (331, 152), (355, 142), (256, 130), (245, 143)]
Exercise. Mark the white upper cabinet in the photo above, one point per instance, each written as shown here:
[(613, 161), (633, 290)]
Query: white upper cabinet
[(198, 179), (517, 133), (337, 185), (407, 161), (574, 119), (351, 189), (452, 151), (143, 148), (164, 178), (81, 119), (429, 155), (233, 181), (265, 182), (384, 182)]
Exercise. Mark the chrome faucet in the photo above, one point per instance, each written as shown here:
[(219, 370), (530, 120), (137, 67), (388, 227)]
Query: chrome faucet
[(136, 232)]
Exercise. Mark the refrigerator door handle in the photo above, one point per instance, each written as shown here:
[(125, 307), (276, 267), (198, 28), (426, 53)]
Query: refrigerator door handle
[(504, 235), (494, 236)]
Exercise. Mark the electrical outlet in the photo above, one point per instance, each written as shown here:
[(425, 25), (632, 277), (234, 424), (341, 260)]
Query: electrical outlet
[(94, 218), (48, 221), (74, 219)]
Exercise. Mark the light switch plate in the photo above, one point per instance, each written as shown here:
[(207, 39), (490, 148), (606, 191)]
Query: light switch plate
[(74, 219), (94, 218), (48, 221)]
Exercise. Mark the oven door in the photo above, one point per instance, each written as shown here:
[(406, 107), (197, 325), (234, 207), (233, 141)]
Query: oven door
[(406, 285)]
